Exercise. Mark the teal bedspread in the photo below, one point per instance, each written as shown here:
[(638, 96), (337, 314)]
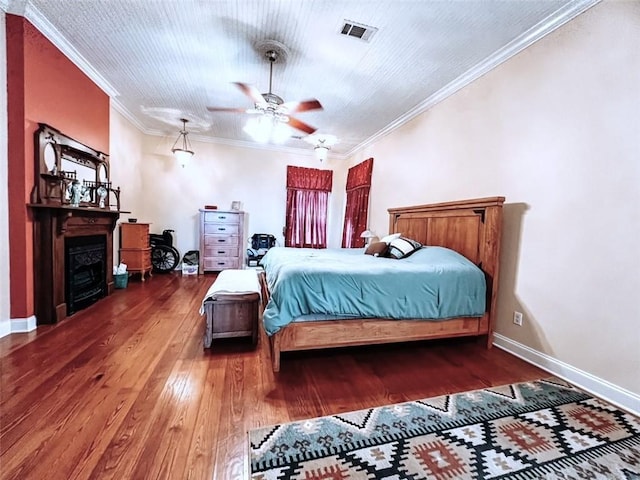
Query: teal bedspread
[(433, 283)]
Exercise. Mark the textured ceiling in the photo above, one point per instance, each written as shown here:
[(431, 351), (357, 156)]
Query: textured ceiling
[(165, 59)]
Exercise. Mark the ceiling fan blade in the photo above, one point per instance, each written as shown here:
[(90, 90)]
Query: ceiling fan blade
[(225, 109), (304, 106), (250, 91), (295, 123)]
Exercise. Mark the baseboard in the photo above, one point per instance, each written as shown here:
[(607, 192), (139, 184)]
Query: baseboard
[(5, 328), (618, 396), (21, 325)]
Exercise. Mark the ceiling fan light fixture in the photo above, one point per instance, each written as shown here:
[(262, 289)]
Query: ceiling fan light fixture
[(182, 149), (267, 128), (280, 132)]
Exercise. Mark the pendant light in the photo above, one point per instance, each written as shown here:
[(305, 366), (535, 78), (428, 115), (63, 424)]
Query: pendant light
[(182, 147), (321, 151), (322, 143)]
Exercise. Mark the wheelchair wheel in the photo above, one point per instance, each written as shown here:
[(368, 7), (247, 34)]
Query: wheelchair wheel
[(164, 259)]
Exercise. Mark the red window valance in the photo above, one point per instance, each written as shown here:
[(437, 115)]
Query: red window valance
[(360, 175), (301, 178)]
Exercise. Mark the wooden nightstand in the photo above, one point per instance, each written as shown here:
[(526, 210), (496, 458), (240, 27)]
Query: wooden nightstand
[(135, 250)]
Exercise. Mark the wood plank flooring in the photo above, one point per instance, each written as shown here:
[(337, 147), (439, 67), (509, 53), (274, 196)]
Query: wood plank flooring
[(125, 390)]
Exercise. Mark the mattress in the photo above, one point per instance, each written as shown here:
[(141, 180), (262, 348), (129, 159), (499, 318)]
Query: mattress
[(434, 283)]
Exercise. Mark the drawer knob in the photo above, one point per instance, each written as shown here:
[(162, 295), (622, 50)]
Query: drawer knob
[(221, 229)]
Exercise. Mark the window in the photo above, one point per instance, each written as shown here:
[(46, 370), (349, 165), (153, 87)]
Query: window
[(357, 207), (307, 204)]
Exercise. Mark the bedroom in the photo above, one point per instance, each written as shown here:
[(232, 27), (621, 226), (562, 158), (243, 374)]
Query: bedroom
[(552, 129)]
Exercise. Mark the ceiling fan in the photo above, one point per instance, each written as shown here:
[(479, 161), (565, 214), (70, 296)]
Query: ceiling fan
[(271, 105)]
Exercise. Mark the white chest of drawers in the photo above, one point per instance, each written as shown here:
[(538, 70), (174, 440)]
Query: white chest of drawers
[(222, 240)]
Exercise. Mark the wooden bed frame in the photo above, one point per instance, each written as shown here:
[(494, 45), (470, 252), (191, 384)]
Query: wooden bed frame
[(470, 227)]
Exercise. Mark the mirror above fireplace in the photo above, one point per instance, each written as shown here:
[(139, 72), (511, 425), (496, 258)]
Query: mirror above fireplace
[(62, 161)]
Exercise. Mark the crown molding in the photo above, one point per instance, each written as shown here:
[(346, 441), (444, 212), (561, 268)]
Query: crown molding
[(565, 14), (252, 145), (118, 107), (52, 34), (237, 143)]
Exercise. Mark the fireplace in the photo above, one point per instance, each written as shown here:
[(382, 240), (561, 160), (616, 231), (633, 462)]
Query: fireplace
[(85, 271), (73, 242), (62, 233)]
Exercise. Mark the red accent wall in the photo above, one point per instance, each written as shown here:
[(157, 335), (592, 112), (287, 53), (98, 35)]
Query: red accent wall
[(43, 86)]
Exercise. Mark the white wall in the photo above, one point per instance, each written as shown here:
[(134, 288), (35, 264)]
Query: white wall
[(5, 324), (556, 131), (217, 175), (125, 161)]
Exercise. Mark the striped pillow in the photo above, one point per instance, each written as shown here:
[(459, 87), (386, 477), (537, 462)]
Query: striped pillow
[(402, 247)]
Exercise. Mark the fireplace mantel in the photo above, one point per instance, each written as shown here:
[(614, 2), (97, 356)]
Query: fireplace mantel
[(52, 225), (72, 197), (64, 213)]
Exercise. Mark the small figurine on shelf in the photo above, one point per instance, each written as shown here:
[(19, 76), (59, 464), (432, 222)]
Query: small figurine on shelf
[(77, 192), (102, 194)]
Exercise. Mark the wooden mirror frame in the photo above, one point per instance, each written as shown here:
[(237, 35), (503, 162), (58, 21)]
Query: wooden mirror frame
[(56, 155)]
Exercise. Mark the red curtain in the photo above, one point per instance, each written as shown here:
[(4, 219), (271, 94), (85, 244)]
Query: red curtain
[(357, 208), (307, 204)]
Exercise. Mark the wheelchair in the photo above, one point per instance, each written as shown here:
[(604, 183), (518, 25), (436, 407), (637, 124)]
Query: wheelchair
[(164, 256)]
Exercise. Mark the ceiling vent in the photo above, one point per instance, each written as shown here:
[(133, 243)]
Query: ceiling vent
[(358, 30)]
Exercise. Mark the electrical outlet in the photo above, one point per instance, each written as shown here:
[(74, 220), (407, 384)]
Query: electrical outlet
[(517, 318)]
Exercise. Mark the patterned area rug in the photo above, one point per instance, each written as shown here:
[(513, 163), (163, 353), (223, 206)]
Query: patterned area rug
[(545, 429)]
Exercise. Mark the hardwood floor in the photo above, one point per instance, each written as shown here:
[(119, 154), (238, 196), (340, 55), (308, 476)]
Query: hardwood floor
[(125, 390)]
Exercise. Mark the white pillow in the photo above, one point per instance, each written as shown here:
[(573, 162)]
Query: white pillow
[(391, 237)]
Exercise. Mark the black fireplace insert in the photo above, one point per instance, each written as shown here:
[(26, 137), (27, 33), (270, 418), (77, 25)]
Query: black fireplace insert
[(86, 271)]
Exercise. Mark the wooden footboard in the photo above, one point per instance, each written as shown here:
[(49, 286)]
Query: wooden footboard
[(349, 333), (470, 227)]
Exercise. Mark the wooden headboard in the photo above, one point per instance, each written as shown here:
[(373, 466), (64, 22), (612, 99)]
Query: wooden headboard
[(470, 227)]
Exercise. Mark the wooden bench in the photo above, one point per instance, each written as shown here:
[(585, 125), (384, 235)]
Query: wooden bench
[(232, 306)]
